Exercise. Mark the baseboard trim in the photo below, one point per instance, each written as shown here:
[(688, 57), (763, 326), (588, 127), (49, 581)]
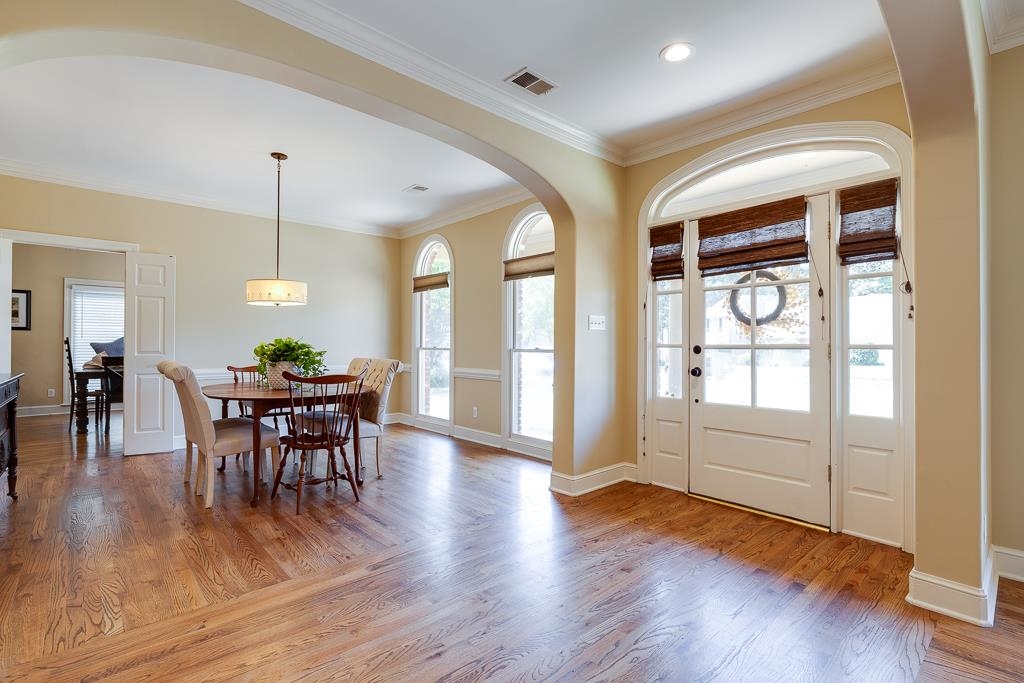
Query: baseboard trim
[(398, 419), (579, 484), (32, 411), (1009, 562), (478, 436), (954, 599)]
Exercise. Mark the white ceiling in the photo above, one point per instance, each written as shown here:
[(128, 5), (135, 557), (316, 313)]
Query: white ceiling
[(615, 97), (200, 136)]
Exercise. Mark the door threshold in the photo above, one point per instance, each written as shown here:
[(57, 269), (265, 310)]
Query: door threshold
[(737, 506)]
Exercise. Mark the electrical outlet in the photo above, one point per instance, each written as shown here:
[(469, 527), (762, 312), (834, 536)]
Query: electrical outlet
[(51, 393), (476, 413), (597, 322)]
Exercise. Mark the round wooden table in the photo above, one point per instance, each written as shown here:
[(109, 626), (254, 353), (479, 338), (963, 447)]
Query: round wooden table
[(263, 400)]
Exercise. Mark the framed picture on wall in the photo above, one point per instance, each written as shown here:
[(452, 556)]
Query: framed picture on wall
[(21, 309)]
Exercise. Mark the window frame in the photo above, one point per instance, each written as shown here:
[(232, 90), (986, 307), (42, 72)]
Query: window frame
[(69, 284), (419, 268), (524, 221)]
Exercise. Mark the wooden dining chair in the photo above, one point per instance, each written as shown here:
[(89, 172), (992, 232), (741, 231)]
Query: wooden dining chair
[(97, 395), (321, 419), (214, 438), (113, 384), (250, 374)]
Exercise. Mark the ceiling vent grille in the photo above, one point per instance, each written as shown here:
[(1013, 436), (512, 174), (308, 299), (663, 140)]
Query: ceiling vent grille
[(416, 188), (527, 80)]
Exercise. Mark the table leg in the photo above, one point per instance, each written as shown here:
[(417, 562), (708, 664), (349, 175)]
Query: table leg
[(257, 455), (82, 407), (12, 460), (223, 414)]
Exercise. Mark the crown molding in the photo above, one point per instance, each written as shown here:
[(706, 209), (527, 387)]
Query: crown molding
[(338, 28), (465, 213), (1003, 30), (768, 111), (44, 174)]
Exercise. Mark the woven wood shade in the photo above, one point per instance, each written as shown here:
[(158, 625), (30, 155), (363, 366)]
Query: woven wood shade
[(765, 236), (667, 252), (867, 223), (530, 266), (423, 283)]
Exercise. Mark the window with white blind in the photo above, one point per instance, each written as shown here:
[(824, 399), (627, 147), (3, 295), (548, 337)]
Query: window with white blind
[(93, 312)]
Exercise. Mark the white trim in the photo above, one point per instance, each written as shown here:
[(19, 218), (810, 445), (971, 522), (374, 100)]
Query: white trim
[(477, 373), (464, 213), (533, 450), (1002, 29), (332, 25), (46, 239), (1009, 562), (32, 411), (431, 425), (398, 419), (889, 142), (743, 118), (954, 599), (478, 436), (21, 169), (578, 484)]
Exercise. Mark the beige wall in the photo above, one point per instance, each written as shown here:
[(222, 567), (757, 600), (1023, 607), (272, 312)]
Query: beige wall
[(476, 246), (352, 289), (1006, 171), (39, 352)]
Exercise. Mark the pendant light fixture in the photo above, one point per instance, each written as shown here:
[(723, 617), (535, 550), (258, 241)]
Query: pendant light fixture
[(276, 292)]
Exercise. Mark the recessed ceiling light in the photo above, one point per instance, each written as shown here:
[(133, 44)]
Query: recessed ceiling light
[(676, 52)]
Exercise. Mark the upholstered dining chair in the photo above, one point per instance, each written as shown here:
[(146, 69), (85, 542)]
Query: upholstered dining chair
[(357, 365), (319, 421), (214, 438), (99, 396), (380, 375)]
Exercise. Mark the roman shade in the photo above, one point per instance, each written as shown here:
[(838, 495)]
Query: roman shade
[(667, 252), (424, 283), (765, 236), (867, 223), (535, 265)]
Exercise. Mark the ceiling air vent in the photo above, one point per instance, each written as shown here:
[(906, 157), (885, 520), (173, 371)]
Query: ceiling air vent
[(416, 188), (527, 80)]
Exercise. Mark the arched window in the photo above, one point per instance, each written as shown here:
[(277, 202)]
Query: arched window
[(530, 310), (432, 305)]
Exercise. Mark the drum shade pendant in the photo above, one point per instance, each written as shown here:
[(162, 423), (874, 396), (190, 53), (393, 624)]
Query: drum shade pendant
[(276, 292)]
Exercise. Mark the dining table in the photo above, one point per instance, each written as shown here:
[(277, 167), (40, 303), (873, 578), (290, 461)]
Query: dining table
[(262, 400)]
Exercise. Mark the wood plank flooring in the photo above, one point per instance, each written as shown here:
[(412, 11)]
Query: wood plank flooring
[(459, 566)]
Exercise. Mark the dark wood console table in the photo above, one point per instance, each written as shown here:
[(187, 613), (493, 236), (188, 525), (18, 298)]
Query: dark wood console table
[(9, 385)]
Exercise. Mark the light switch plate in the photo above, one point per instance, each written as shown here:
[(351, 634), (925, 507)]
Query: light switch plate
[(597, 322)]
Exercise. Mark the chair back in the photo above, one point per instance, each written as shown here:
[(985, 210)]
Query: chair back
[(357, 365), (194, 408), (248, 374), (380, 375), (113, 368), (321, 408), (71, 363)]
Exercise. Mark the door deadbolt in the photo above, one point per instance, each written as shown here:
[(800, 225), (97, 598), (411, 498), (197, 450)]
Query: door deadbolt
[(697, 349), (695, 372)]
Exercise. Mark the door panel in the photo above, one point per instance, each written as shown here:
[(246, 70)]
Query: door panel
[(760, 407), (667, 425), (149, 324)]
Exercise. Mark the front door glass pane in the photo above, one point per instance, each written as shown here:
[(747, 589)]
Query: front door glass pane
[(871, 382), (784, 379), (727, 376)]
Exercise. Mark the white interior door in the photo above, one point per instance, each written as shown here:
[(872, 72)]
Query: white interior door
[(665, 435), (149, 339), (760, 401), (6, 275)]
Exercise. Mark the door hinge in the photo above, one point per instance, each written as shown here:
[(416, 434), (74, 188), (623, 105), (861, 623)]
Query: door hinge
[(830, 474), (829, 230), (830, 351)]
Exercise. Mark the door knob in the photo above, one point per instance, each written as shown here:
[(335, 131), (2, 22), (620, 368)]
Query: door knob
[(697, 349), (695, 372)]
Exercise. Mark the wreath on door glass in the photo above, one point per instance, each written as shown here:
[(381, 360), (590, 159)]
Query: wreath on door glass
[(780, 305)]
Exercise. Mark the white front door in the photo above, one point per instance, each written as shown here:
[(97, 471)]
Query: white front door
[(759, 392), (149, 339)]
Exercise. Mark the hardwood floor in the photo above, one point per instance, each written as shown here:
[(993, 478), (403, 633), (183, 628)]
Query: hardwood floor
[(458, 566)]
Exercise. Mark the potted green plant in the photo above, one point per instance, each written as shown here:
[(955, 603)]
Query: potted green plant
[(293, 355)]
